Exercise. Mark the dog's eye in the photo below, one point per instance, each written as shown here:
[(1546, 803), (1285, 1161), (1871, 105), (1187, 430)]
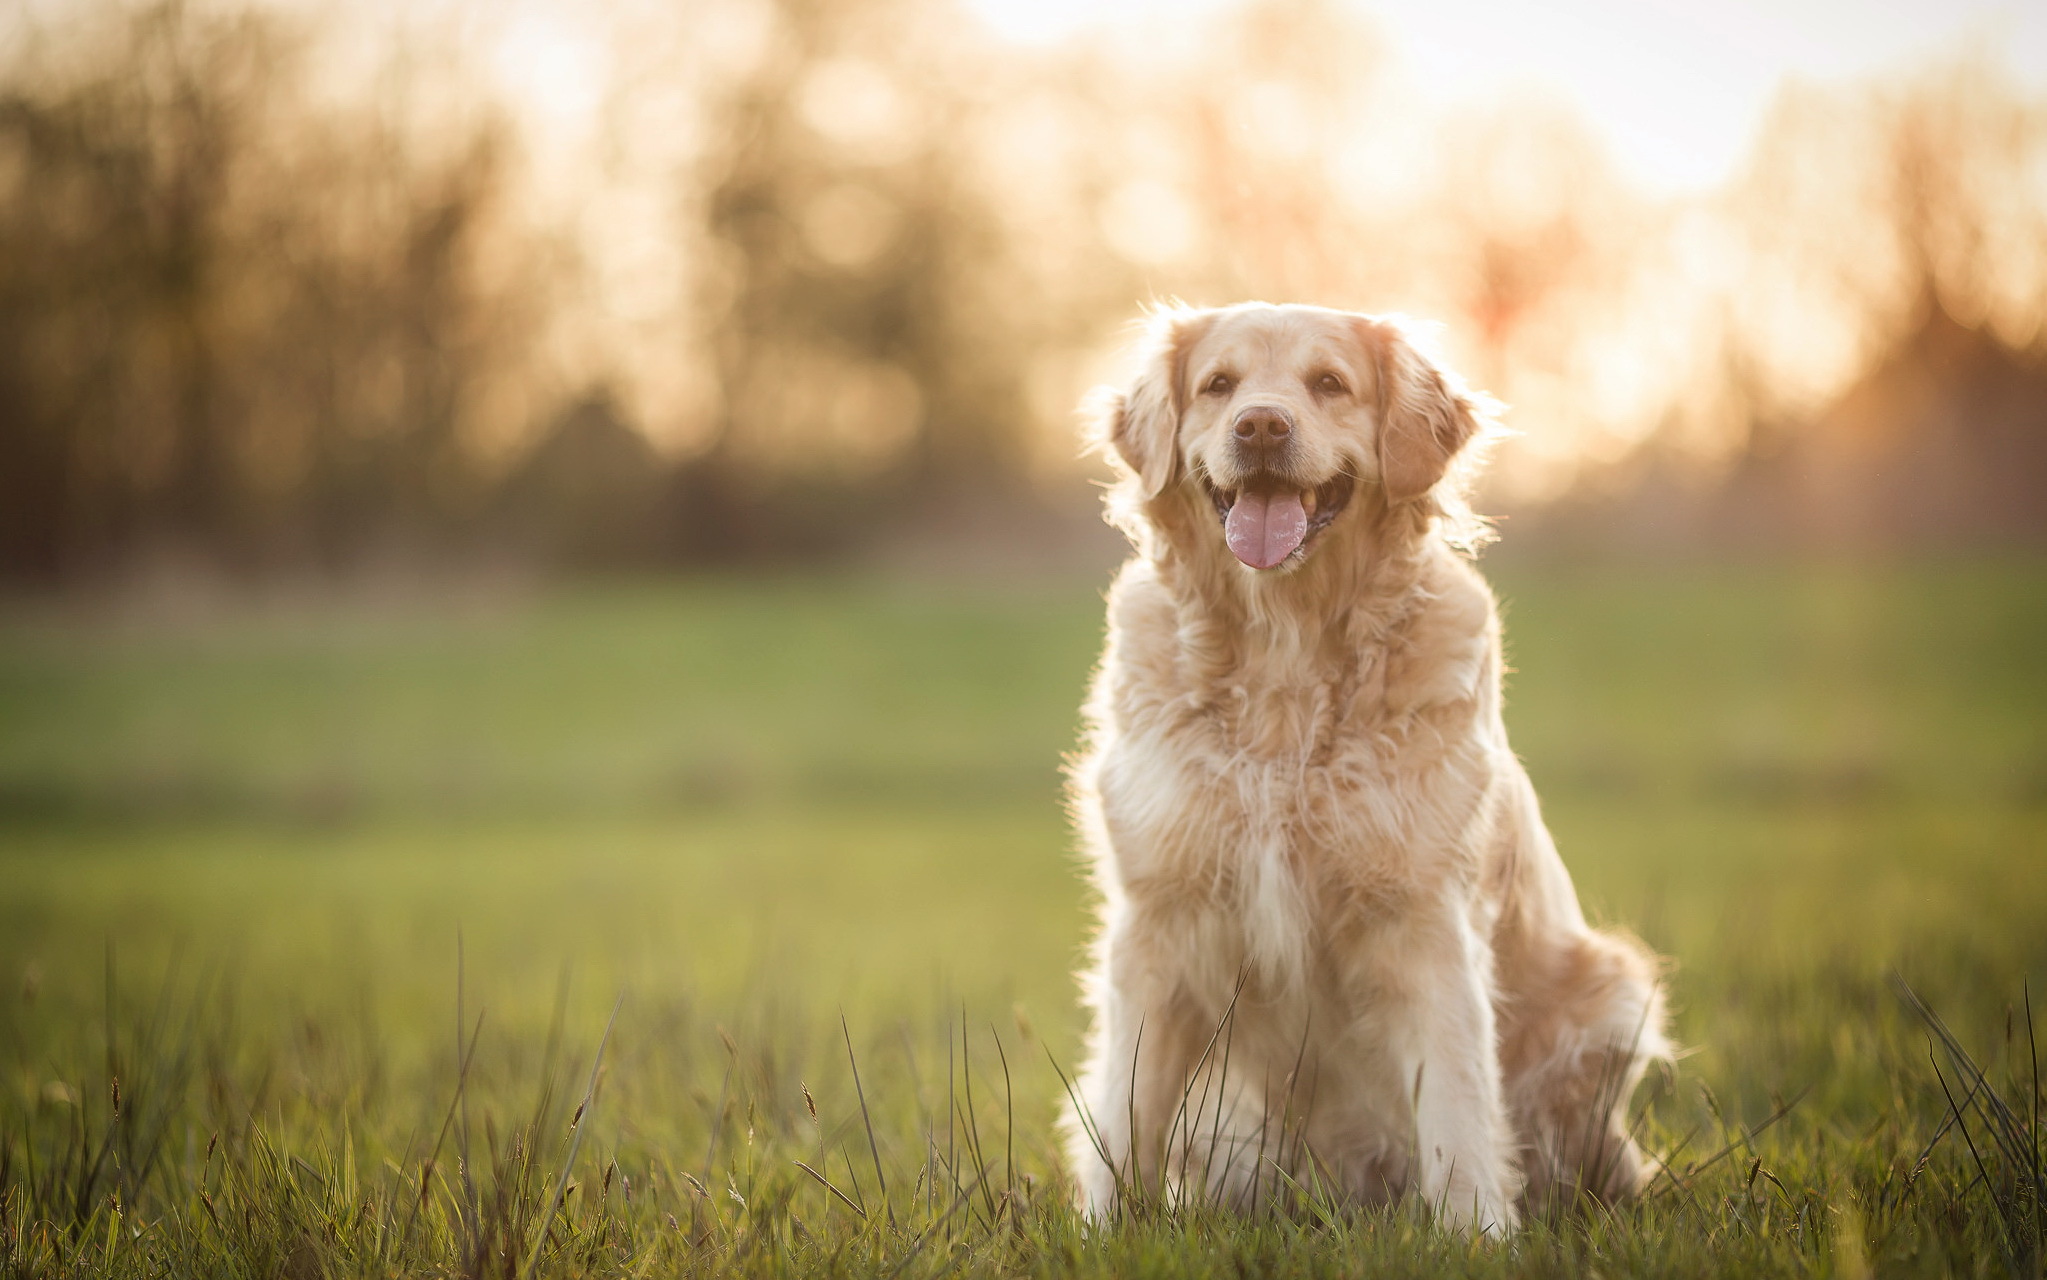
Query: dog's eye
[(1330, 385), (1219, 385)]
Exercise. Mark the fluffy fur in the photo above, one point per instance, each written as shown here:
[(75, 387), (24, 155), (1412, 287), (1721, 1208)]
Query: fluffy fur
[(1337, 946)]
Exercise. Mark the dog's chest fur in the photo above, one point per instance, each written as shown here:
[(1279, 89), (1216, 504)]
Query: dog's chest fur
[(1317, 784)]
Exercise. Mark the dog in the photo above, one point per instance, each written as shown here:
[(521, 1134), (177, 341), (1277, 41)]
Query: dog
[(1337, 948)]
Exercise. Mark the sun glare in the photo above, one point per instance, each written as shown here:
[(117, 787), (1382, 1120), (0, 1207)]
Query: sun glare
[(1676, 88), (551, 68)]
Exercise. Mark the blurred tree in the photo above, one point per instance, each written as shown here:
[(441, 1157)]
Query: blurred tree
[(253, 319), (590, 494), (233, 327), (866, 372)]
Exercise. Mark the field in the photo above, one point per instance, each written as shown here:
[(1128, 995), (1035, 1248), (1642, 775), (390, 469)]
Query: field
[(314, 917)]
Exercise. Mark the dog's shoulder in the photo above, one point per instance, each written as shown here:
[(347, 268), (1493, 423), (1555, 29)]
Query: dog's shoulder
[(1449, 651), (1144, 621), (1141, 609), (1140, 659)]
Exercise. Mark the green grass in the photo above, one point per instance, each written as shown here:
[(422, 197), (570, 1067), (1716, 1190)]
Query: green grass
[(344, 898)]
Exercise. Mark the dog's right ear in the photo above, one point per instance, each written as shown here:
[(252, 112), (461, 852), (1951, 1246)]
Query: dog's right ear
[(1141, 426), (1426, 414)]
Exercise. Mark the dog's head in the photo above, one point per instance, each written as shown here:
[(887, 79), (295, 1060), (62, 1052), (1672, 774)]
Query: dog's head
[(1284, 420)]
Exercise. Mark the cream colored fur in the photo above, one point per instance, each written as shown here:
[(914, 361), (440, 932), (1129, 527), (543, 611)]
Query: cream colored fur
[(1337, 946)]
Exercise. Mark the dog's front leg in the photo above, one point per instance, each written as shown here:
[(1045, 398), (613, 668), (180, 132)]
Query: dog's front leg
[(1129, 1091), (1463, 1156)]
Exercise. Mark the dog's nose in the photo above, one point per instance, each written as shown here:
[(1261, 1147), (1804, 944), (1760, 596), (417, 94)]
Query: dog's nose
[(1264, 426)]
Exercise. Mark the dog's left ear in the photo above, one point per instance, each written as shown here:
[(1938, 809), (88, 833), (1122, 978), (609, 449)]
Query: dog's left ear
[(1141, 426), (1426, 414)]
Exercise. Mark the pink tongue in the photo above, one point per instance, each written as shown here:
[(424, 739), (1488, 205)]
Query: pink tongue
[(1265, 528)]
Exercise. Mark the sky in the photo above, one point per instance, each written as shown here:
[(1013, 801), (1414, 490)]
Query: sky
[(1676, 87)]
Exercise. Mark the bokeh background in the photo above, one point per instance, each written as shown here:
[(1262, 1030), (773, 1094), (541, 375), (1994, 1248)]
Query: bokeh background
[(505, 504), (331, 290)]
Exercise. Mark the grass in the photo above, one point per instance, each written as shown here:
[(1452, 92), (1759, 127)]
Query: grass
[(313, 922)]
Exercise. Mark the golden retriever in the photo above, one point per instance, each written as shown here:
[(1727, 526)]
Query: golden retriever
[(1337, 948)]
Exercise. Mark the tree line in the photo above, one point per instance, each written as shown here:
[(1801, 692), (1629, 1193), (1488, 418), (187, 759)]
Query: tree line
[(816, 273)]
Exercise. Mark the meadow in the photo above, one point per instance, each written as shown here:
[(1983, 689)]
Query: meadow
[(726, 926)]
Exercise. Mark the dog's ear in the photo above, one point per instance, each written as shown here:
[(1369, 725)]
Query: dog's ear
[(1426, 414), (1141, 426)]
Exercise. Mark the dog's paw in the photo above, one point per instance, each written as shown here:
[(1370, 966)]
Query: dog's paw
[(1472, 1207), (1487, 1217)]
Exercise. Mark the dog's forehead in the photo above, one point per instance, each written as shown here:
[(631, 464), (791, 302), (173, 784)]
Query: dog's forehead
[(1252, 338)]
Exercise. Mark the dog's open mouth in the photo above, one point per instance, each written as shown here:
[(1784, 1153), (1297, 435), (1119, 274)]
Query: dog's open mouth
[(1267, 521)]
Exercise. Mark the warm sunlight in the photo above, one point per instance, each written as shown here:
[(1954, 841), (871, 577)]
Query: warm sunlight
[(601, 602), (887, 242), (1676, 87)]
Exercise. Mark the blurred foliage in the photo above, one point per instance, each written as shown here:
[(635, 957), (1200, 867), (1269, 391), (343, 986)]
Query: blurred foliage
[(234, 323), (288, 287)]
